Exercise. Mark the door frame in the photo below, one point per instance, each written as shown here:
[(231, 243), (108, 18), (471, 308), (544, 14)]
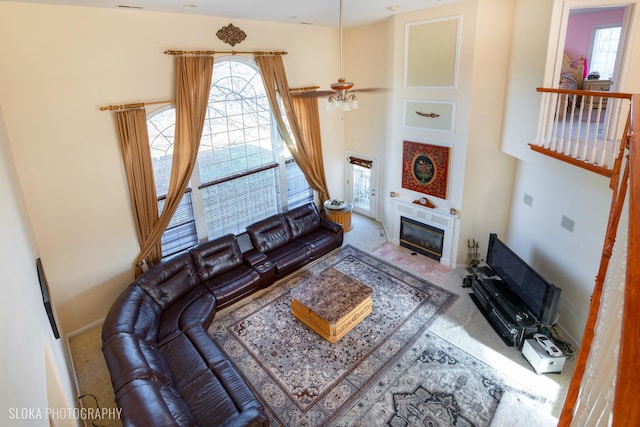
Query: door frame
[(628, 24), (373, 183)]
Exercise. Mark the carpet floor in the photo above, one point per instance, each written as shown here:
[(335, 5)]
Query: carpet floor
[(461, 335), (386, 370), (305, 380)]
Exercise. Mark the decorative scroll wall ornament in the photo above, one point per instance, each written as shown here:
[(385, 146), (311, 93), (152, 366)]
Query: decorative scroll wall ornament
[(433, 115), (231, 34)]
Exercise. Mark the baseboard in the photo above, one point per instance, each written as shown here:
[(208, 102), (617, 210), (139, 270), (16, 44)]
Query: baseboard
[(85, 328)]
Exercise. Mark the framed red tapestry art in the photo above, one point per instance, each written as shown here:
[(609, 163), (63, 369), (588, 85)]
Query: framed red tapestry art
[(425, 168)]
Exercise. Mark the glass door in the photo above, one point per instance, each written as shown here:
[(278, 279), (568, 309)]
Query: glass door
[(362, 181)]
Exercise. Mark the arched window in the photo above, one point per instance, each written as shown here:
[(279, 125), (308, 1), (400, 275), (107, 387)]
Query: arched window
[(244, 172)]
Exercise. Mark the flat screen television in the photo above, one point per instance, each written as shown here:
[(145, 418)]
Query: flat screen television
[(538, 295)]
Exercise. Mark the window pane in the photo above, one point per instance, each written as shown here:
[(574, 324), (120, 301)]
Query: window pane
[(233, 205), (181, 231), (361, 183), (237, 133), (298, 190), (605, 50), (236, 139), (161, 129)]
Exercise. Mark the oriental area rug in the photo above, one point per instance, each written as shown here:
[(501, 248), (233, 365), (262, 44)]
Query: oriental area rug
[(388, 370)]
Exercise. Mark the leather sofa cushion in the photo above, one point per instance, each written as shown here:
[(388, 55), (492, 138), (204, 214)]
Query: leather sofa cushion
[(200, 312), (303, 220), (131, 358), (148, 403), (250, 417), (270, 233), (196, 307), (320, 242), (216, 257), (230, 286), (290, 257), (185, 361), (212, 388), (333, 227), (133, 312), (168, 281), (209, 400)]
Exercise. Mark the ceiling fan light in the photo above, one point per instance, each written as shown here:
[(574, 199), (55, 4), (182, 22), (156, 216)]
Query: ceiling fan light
[(342, 100), (353, 102)]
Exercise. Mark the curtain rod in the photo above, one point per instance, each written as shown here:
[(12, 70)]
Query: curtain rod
[(303, 89), (170, 101), (135, 105), (216, 52)]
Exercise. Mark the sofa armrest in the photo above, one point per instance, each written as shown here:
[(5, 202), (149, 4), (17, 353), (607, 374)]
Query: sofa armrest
[(199, 312), (253, 257), (250, 417), (332, 226)]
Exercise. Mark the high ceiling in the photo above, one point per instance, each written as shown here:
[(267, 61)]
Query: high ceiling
[(314, 12)]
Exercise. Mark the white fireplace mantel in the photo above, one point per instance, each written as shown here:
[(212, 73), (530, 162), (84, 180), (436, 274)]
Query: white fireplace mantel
[(436, 218)]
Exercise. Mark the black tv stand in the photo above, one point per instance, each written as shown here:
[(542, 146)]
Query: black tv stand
[(504, 311)]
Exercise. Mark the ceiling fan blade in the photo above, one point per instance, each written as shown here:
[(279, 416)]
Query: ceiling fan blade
[(371, 90), (315, 93)]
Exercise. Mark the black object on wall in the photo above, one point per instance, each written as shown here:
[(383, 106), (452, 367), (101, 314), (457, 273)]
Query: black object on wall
[(46, 299)]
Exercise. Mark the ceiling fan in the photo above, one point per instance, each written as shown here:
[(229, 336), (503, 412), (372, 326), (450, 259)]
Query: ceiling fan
[(341, 96)]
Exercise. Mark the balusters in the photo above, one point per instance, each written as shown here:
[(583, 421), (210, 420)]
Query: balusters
[(582, 126)]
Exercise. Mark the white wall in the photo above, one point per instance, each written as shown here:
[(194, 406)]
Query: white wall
[(28, 345), (369, 58), (569, 259), (459, 139), (489, 173), (59, 65), (480, 175)]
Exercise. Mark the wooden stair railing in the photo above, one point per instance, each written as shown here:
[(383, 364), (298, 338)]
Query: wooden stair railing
[(584, 128), (626, 409)]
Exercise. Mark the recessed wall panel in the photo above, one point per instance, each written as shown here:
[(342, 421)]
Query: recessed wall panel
[(431, 53)]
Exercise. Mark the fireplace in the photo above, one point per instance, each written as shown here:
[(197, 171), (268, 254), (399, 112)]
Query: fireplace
[(422, 238)]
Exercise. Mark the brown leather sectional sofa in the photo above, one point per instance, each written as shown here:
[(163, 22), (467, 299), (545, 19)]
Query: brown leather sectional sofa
[(165, 368)]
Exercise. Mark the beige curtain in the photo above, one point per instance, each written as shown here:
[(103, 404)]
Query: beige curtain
[(304, 121), (134, 144), (193, 83), (308, 116)]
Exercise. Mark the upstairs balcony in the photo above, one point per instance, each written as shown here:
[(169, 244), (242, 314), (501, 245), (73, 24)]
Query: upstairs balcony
[(585, 128)]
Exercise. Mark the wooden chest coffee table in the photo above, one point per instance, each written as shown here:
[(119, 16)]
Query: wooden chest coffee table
[(331, 303)]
